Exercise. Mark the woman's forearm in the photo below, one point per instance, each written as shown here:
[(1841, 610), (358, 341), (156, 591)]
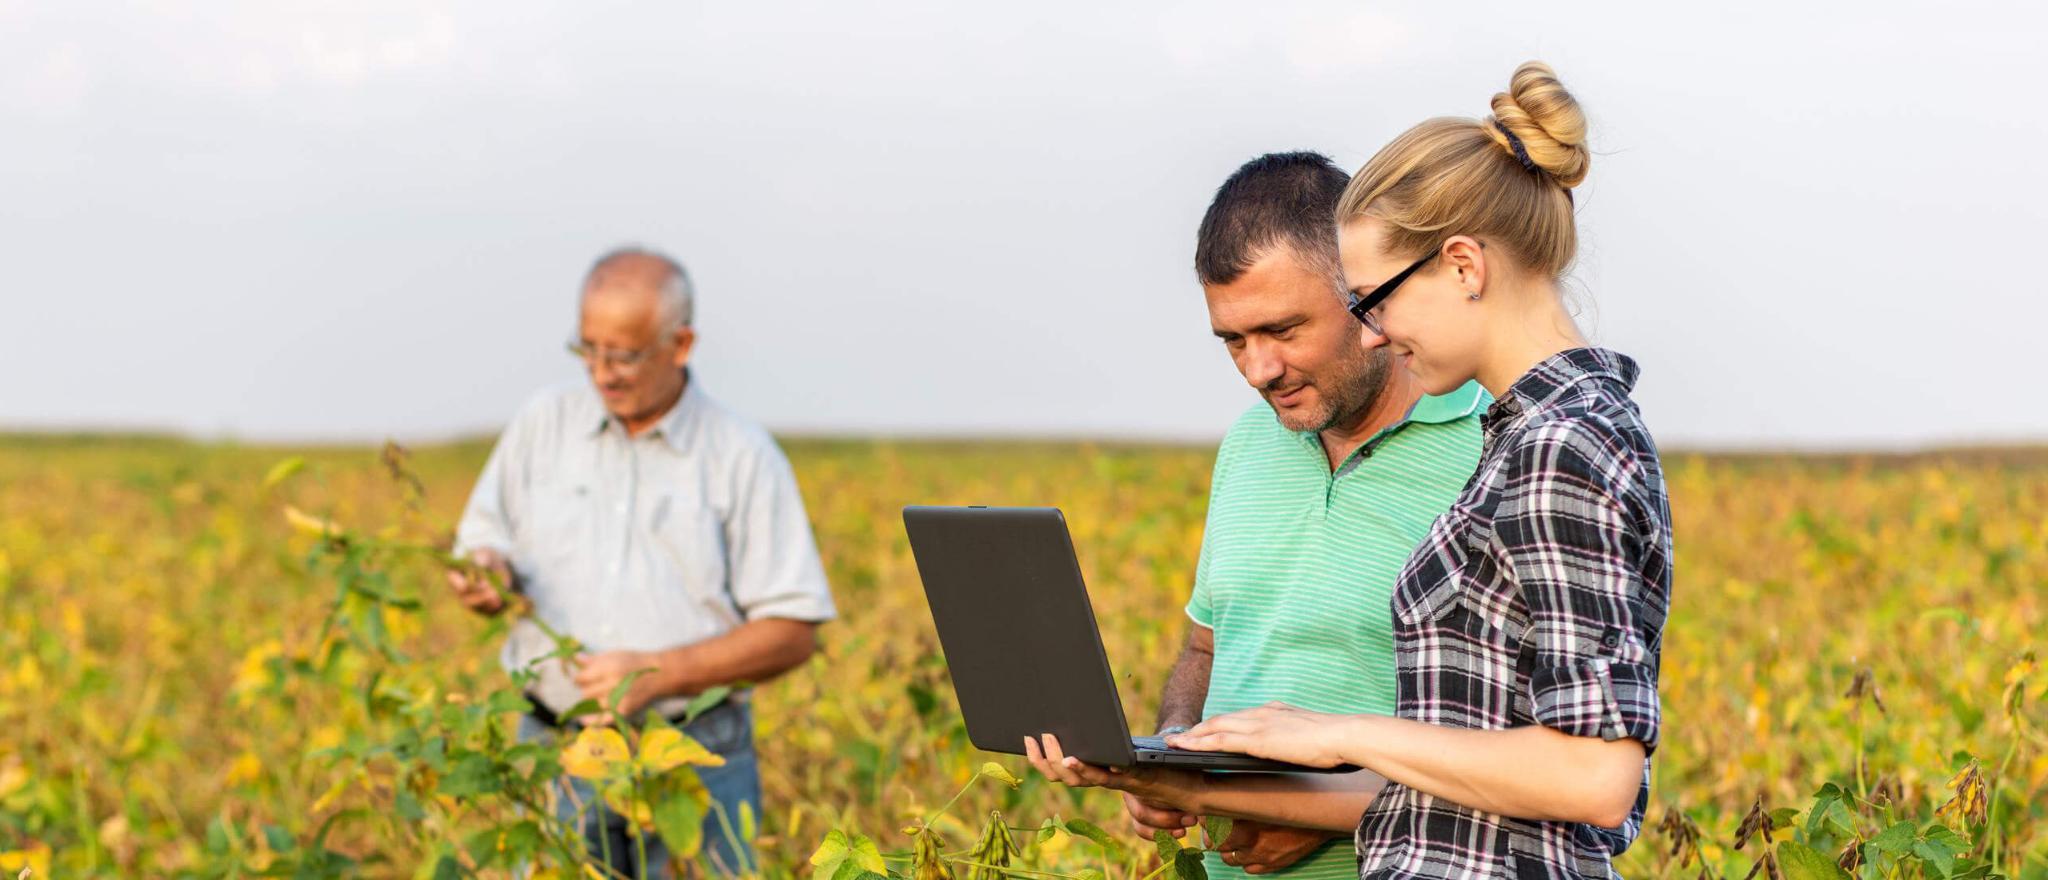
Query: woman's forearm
[(1532, 772), (1325, 801)]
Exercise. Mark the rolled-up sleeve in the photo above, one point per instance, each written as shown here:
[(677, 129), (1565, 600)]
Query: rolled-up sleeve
[(1567, 529), (774, 564)]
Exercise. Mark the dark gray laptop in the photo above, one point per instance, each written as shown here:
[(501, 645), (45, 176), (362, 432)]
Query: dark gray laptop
[(1020, 639)]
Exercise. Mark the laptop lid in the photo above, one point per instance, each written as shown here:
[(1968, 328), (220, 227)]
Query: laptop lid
[(1018, 630)]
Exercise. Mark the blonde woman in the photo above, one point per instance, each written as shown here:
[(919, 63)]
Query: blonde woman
[(1528, 624)]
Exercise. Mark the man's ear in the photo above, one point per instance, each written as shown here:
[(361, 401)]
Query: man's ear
[(686, 339), (1468, 257)]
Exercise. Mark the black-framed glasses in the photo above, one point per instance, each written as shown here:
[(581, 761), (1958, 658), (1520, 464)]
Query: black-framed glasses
[(1362, 306)]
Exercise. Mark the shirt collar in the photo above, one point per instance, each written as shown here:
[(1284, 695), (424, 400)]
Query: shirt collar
[(674, 426), (1554, 375), (1431, 409), (1437, 409)]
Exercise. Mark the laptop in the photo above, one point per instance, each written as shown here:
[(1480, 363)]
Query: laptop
[(1020, 639)]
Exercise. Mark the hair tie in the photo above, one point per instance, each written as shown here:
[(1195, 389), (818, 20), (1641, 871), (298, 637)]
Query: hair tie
[(1521, 152)]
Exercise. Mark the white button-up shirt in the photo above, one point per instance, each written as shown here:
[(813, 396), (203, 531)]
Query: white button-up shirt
[(642, 543)]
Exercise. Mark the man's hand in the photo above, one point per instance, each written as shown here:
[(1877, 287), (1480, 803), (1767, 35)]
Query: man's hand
[(1150, 816), (1260, 848), (597, 674), (1158, 787), (473, 583)]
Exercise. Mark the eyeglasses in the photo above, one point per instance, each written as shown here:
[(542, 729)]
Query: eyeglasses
[(1365, 308), (625, 361)]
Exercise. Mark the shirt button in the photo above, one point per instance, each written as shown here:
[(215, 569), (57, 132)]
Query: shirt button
[(1610, 639)]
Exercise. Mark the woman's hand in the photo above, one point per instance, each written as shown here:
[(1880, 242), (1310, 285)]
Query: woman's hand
[(1158, 788), (1276, 731)]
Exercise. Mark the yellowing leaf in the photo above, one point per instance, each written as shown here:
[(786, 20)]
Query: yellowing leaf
[(31, 862), (664, 748), (307, 524), (246, 768), (620, 798), (283, 471), (594, 751), (996, 772)]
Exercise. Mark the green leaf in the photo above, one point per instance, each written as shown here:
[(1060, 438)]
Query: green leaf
[(509, 701), (611, 701), (1895, 840), (583, 707), (1087, 829), (1164, 842), (1187, 865), (1782, 817), (703, 702), (407, 807), (1215, 830), (1937, 853), (447, 868), (522, 841), (831, 850), (680, 804), (473, 775), (834, 851), (1801, 862), (867, 855)]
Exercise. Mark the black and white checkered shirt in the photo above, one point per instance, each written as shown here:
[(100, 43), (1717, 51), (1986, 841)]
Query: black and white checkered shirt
[(1539, 598)]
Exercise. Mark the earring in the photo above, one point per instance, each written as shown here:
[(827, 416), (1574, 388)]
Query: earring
[(1474, 297)]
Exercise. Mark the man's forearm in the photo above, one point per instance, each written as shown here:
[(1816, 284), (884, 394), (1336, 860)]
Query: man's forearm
[(1331, 802), (1187, 687), (756, 651)]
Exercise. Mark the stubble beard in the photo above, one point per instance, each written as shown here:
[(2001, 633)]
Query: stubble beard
[(1352, 385)]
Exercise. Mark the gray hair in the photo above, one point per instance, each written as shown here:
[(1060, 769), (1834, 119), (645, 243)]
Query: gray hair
[(678, 298)]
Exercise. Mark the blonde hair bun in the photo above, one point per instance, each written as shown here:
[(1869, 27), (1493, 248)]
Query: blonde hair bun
[(1546, 119)]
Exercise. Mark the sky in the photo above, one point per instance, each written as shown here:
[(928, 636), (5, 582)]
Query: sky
[(1814, 225)]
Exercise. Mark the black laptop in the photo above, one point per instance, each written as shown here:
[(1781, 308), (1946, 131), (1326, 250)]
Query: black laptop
[(1021, 642)]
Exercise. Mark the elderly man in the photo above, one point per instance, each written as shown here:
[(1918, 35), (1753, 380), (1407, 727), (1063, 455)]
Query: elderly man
[(1320, 492), (658, 528)]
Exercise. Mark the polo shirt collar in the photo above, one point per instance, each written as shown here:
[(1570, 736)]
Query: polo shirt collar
[(1437, 409), (1430, 409)]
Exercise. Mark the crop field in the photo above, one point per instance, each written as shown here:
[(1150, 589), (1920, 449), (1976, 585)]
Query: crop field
[(195, 683)]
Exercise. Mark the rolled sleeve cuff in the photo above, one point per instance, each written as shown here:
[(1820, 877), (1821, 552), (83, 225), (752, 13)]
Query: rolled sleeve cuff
[(800, 606), (1598, 697)]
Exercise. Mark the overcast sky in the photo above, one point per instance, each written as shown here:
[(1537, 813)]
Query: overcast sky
[(1814, 226)]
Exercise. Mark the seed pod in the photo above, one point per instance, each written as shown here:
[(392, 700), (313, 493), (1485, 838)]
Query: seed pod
[(993, 851), (926, 862)]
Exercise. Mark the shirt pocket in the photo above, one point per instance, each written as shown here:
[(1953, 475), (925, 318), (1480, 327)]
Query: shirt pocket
[(1487, 588), (1427, 588), (561, 522)]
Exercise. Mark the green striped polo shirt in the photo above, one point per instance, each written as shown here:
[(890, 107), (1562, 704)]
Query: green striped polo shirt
[(1296, 575)]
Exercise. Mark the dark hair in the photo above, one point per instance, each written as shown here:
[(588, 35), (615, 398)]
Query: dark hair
[(1276, 199)]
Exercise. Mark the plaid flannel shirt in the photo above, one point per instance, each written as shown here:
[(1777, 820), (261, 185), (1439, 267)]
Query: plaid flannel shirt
[(1538, 598)]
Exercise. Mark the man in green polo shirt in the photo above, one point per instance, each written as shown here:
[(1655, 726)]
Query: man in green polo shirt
[(1319, 494)]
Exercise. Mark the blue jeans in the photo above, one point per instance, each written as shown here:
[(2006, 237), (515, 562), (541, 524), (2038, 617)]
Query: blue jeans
[(727, 730)]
